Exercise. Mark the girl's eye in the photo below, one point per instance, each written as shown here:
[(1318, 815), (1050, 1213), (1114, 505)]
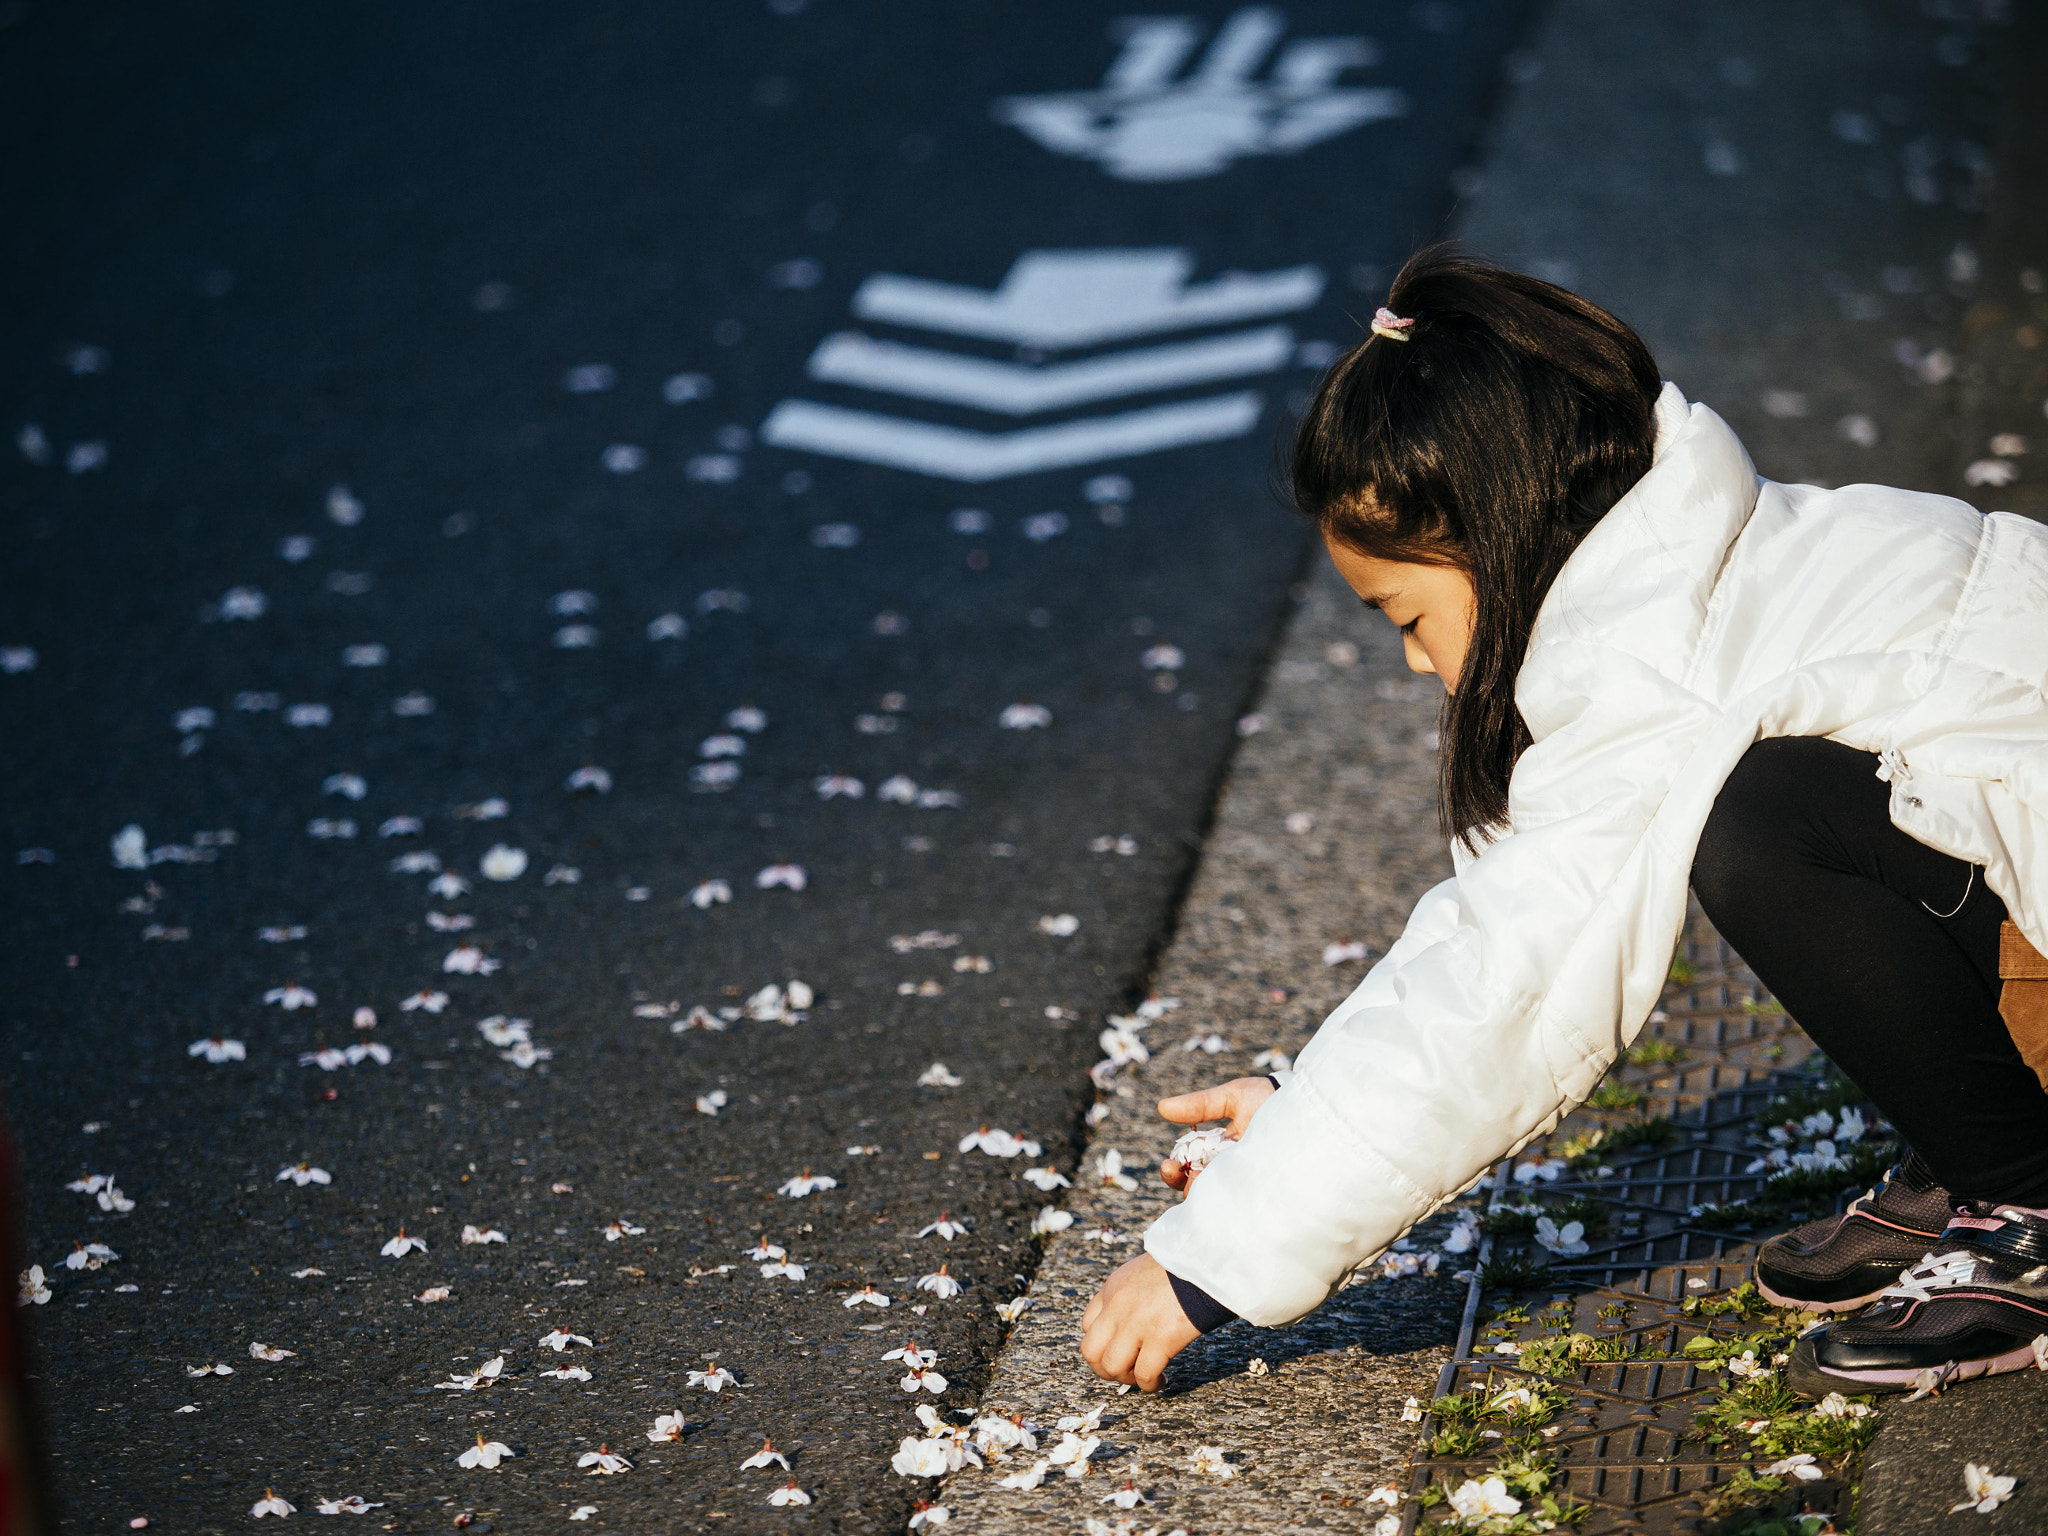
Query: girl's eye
[(1409, 627)]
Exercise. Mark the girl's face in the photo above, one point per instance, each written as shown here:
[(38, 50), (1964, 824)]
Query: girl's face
[(1432, 605)]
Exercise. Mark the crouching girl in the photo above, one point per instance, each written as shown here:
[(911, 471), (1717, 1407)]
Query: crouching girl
[(1822, 710)]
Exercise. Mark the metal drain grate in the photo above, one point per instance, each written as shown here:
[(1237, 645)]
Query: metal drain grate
[(1622, 1444)]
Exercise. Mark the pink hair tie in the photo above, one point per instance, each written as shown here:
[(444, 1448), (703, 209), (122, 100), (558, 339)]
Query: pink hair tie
[(1390, 325)]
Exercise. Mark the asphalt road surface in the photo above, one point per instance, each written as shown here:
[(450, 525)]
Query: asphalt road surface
[(815, 448)]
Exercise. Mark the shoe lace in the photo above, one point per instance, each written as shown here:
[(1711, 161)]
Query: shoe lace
[(1933, 1273)]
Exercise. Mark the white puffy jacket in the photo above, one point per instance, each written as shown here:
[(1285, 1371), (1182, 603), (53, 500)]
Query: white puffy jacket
[(1708, 610)]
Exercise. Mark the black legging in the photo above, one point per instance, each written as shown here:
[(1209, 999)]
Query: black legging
[(1884, 950)]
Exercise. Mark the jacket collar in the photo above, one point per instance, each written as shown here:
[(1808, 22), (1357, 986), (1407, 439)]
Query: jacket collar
[(1641, 580)]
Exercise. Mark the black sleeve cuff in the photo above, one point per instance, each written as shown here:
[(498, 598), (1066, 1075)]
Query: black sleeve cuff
[(1203, 1310)]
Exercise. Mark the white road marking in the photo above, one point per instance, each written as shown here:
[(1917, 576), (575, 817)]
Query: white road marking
[(955, 453), (1016, 389)]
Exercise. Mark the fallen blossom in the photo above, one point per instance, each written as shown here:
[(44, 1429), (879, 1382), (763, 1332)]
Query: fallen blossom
[(788, 1494), (713, 1378), (1411, 1411), (791, 876), (938, 1075), (1047, 1179), (272, 1504), (709, 893), (196, 1371), (402, 1244), (868, 1295), (804, 1183), (765, 1250), (1060, 925), (568, 1373), (1257, 1367), (354, 1504), (622, 1228), (582, 1511), (998, 1143), (1567, 1241), (921, 1458), (1009, 1311), (468, 960), (431, 1002), (501, 1031), (604, 1462), (501, 862), (559, 1339), (763, 1456), (1799, 1467), (1027, 1480), (484, 1375), (270, 1352), (1050, 1219), (217, 1050), (668, 1426), (292, 997), (89, 1256), (782, 1269), (1126, 1497), (1836, 1406), (475, 1235), (1482, 1498), (486, 1454), (1986, 1490), (34, 1291), (1073, 1451), (1024, 717), (945, 1227), (1194, 1149), (431, 1294), (1111, 1166)]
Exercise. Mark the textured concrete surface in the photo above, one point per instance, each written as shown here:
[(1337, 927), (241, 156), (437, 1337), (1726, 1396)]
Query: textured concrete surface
[(1348, 743)]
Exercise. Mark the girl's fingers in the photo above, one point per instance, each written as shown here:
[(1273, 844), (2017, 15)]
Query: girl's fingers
[(1150, 1367), (1173, 1175), (1193, 1108), (1116, 1359)]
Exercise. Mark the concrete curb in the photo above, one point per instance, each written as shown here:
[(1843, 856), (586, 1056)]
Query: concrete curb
[(1348, 738)]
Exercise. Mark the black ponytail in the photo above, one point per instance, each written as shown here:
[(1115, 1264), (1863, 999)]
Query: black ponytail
[(1492, 439)]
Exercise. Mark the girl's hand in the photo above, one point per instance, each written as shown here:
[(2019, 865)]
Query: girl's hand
[(1236, 1101), (1135, 1323)]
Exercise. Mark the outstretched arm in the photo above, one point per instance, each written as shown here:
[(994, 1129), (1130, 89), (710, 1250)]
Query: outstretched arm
[(1136, 1323)]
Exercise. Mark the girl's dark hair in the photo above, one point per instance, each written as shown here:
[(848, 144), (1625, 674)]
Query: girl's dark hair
[(1492, 439)]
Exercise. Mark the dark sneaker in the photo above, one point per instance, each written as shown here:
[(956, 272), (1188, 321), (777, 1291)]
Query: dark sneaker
[(1844, 1262), (1973, 1308)]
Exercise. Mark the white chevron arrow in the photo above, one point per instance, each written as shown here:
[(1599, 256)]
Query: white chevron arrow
[(1083, 298), (1016, 389), (958, 454)]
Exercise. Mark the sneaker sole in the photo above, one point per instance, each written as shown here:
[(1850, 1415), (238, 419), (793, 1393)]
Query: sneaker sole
[(1805, 1375), (1798, 1304)]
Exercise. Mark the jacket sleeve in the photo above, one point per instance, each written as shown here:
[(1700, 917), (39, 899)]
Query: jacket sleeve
[(1509, 994)]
